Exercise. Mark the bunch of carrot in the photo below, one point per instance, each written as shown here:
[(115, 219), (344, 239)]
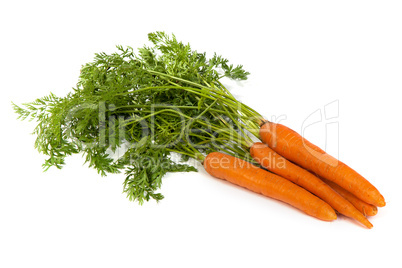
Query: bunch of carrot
[(176, 94), (301, 174)]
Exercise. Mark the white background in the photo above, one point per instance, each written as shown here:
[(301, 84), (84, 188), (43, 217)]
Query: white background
[(302, 55)]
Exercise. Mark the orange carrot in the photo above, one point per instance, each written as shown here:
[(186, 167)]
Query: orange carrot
[(284, 168), (363, 207), (295, 148), (258, 180)]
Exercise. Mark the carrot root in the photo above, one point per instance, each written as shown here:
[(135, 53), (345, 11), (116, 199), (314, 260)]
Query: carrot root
[(295, 148), (277, 164), (363, 207), (258, 180)]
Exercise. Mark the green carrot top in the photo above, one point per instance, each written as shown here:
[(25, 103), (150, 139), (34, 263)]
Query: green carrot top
[(164, 99)]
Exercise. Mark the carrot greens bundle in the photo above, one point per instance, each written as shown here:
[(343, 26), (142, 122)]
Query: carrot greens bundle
[(164, 99)]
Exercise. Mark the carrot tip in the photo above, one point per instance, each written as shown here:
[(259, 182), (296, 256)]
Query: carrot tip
[(366, 223), (374, 211), (381, 203)]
